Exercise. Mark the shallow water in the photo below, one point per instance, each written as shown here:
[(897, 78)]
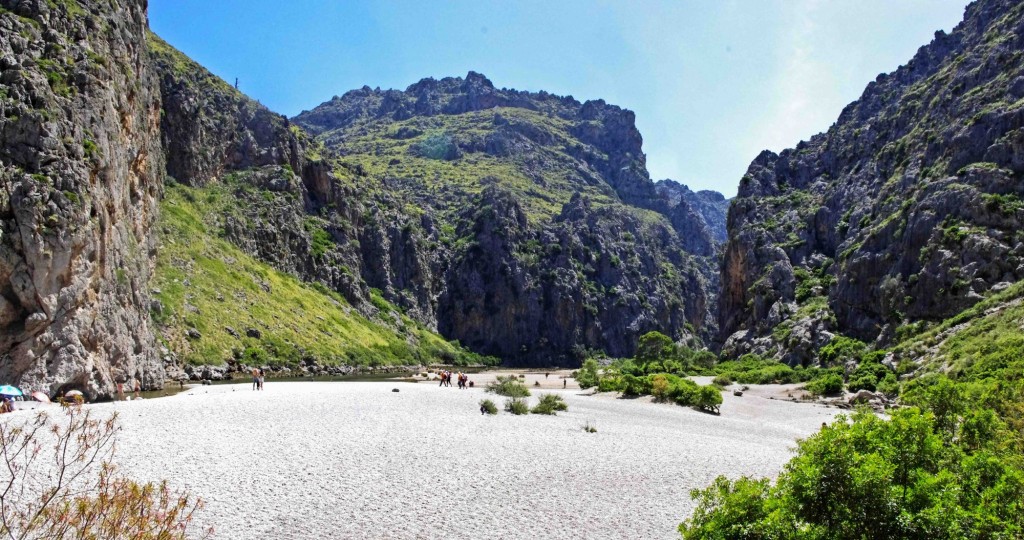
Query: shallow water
[(314, 459)]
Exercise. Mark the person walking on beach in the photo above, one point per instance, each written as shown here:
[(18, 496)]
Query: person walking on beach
[(263, 375), (255, 379)]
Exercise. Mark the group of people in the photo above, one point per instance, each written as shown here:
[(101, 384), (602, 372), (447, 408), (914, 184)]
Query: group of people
[(258, 375), (462, 378), (136, 389)]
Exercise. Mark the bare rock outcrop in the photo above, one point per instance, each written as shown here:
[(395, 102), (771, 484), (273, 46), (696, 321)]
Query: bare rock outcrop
[(81, 170), (908, 209)]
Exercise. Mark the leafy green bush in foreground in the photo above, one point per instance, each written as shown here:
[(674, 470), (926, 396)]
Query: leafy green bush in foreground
[(951, 469)]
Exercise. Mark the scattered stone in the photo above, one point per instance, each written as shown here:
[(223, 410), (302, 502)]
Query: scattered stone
[(862, 396), (253, 333)]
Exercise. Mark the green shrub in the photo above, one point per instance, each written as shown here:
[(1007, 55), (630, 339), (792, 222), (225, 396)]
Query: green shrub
[(827, 385), (708, 399), (722, 380), (609, 384), (840, 350), (550, 404), (752, 369), (488, 406), (632, 385), (877, 478), (517, 405), (586, 376), (889, 385), (508, 386), (683, 391), (660, 386)]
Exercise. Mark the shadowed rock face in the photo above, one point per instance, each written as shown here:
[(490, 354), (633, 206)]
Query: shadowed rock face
[(518, 264), (80, 174), (542, 234), (908, 208)]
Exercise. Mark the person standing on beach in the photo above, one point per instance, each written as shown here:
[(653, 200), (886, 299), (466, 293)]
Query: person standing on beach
[(137, 388), (263, 375), (255, 379)]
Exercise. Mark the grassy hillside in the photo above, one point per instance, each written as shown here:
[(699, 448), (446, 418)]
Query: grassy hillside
[(208, 284), (425, 158)]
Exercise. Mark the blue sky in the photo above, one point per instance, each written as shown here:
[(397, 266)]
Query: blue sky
[(712, 82)]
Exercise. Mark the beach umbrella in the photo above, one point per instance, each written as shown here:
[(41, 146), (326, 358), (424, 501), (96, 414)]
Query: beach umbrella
[(8, 390), (39, 396)]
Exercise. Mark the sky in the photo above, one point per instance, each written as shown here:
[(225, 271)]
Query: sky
[(712, 82)]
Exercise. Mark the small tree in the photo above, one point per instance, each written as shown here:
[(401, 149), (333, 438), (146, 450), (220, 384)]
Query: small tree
[(59, 481), (654, 346)]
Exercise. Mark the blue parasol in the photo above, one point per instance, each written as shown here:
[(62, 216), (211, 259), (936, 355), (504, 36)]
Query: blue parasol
[(8, 390)]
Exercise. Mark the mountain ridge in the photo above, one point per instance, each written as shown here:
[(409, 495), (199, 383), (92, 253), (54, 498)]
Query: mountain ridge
[(885, 215)]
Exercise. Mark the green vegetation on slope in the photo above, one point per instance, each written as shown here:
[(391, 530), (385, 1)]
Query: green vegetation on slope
[(420, 157), (206, 283), (950, 465)]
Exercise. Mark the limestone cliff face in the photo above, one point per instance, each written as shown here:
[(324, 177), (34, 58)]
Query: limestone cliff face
[(908, 209), (80, 173), (524, 225)]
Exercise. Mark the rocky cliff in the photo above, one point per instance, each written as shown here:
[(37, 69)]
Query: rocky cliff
[(523, 224), (907, 210), (80, 174)]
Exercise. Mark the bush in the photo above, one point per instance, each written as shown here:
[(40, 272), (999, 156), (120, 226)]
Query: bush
[(61, 482), (516, 405), (752, 369), (722, 380), (488, 406), (508, 386), (683, 391), (550, 404), (876, 478), (708, 399), (840, 350), (827, 385), (609, 384), (586, 376), (660, 386), (889, 385), (864, 382), (635, 386), (869, 372)]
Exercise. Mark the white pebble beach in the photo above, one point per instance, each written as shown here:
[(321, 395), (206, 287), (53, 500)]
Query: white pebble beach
[(357, 460)]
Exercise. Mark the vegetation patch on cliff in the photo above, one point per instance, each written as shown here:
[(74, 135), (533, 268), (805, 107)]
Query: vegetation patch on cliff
[(217, 304)]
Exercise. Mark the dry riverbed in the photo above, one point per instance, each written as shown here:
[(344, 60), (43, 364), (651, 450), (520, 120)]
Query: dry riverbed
[(356, 460)]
